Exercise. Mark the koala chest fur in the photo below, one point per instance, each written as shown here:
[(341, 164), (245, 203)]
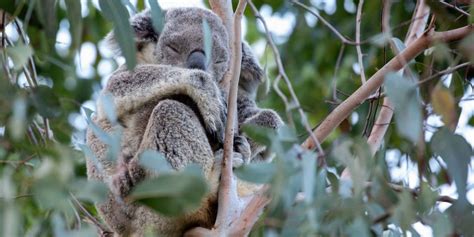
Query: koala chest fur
[(171, 102)]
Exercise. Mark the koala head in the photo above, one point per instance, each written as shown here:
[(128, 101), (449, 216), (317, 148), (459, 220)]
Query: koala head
[(181, 44)]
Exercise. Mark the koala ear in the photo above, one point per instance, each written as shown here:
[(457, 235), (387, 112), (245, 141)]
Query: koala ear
[(142, 26), (251, 74)]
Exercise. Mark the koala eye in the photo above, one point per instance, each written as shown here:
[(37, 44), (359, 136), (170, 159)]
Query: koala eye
[(219, 61), (172, 48)]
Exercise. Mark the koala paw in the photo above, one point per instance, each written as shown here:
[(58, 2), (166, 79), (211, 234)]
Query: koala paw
[(121, 182), (265, 118), (237, 158), (127, 174), (242, 147)]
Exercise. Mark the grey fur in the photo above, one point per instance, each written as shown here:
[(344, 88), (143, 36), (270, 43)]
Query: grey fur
[(163, 105)]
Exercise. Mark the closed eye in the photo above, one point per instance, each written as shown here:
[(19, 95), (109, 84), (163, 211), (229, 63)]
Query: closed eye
[(173, 48), (220, 61)]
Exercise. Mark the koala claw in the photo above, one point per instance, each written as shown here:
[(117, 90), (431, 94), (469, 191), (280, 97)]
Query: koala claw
[(237, 158), (121, 182), (242, 147)]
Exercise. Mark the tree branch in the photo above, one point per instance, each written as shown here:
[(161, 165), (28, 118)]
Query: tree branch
[(227, 186), (223, 8), (359, 50), (360, 95), (416, 29)]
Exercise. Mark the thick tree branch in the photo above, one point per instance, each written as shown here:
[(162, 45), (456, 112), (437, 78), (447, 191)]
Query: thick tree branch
[(360, 95)]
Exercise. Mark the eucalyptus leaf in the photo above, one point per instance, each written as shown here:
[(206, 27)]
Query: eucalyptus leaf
[(45, 101), (256, 172), (403, 95), (456, 152), (46, 11), (398, 44), (157, 15), (155, 161), (19, 55), (74, 16), (405, 212), (89, 190), (173, 193), (17, 122), (444, 104), (116, 12), (107, 103), (206, 29)]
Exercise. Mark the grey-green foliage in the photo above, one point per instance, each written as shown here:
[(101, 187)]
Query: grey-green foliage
[(118, 14)]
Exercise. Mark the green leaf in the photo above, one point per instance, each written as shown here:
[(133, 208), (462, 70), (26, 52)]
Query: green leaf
[(426, 199), (456, 152), (206, 29), (398, 45), (106, 101), (117, 13), (309, 175), (17, 122), (157, 15), (405, 212), (441, 224), (155, 161), (74, 16), (444, 104), (129, 5), (358, 228), (380, 40), (259, 134), (46, 10), (256, 172), (19, 55), (45, 101), (89, 190), (403, 94), (172, 194)]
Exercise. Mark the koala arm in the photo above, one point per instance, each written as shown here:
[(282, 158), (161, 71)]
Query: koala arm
[(149, 83), (250, 114)]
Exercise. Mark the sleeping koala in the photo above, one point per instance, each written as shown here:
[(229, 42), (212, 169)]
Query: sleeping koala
[(251, 75), (171, 102)]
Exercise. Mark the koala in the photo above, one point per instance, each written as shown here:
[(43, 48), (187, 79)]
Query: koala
[(251, 77), (171, 102)]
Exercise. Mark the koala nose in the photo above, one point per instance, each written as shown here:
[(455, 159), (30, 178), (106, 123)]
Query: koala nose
[(197, 60)]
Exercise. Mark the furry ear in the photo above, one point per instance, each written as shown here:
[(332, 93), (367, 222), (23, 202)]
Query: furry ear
[(142, 26), (251, 74)]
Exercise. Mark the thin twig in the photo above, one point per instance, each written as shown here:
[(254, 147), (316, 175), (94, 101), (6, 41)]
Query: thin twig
[(282, 96), (336, 70), (343, 38), (455, 8), (282, 72), (103, 229), (359, 50), (444, 72)]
